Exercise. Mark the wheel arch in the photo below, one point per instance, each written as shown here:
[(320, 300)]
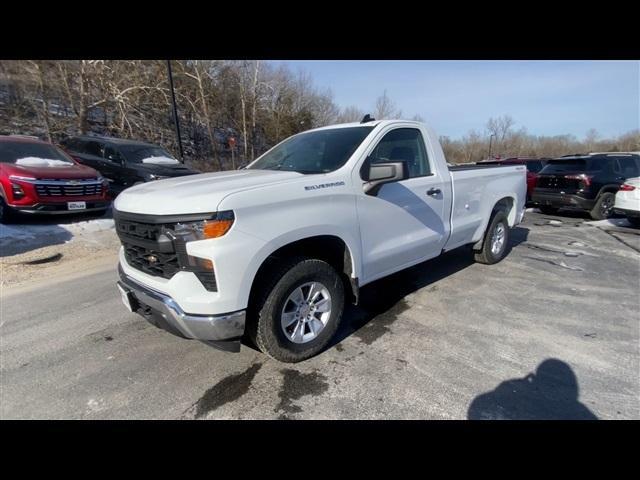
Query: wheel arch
[(609, 188), (330, 248), (506, 204)]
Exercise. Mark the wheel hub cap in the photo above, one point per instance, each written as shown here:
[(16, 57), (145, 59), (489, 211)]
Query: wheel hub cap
[(306, 312), (497, 239)]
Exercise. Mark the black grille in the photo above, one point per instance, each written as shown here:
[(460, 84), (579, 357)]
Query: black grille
[(154, 248), (68, 190), (154, 263), (143, 231), (144, 251)]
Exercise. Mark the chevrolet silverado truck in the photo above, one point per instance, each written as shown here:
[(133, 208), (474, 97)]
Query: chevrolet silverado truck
[(273, 251)]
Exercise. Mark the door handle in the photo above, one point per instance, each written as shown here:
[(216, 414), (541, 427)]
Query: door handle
[(434, 191)]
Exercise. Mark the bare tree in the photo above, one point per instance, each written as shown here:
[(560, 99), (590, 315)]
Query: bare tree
[(591, 139), (350, 114), (386, 108)]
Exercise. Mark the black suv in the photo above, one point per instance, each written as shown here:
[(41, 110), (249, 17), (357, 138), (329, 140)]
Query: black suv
[(584, 182), (124, 162)]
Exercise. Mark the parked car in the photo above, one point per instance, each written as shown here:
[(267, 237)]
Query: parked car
[(584, 182), (628, 201), (36, 177), (125, 162), (275, 250), (534, 165)]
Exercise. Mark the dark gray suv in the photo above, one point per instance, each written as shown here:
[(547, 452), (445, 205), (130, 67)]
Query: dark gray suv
[(125, 162)]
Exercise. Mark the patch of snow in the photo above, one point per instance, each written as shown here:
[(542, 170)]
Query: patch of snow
[(610, 222), (42, 162), (43, 234), (161, 160)]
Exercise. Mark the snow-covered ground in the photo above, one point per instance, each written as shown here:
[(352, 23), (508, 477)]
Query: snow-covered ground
[(18, 238)]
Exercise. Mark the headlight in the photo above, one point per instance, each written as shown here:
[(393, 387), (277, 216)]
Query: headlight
[(21, 178), (204, 229)]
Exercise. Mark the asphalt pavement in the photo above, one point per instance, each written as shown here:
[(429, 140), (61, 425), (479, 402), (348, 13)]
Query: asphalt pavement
[(553, 331)]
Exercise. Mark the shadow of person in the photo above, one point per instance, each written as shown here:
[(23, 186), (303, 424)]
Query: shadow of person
[(549, 394)]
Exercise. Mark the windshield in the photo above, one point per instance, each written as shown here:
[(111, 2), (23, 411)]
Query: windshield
[(137, 153), (571, 165), (25, 152), (320, 151)]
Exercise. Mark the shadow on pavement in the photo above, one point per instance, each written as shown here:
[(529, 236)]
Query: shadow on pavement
[(383, 300), (551, 393)]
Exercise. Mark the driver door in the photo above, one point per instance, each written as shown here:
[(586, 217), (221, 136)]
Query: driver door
[(405, 222)]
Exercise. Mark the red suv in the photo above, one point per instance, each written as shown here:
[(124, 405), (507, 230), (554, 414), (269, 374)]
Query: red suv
[(37, 177), (534, 165)]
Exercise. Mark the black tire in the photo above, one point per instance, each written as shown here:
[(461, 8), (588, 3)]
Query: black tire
[(604, 206), (7, 215), (265, 328), (547, 210), (634, 221), (486, 255)]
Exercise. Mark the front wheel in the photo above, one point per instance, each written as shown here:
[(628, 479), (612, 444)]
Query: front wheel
[(300, 310), (496, 240), (7, 215)]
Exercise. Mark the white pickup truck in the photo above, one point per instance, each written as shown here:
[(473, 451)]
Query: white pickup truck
[(274, 250)]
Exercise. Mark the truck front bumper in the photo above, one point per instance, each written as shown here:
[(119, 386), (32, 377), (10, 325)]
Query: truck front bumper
[(221, 331)]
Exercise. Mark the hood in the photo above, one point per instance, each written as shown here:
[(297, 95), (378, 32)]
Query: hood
[(72, 170), (200, 193)]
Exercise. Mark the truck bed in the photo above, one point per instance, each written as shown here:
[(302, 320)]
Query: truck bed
[(476, 188), (473, 166)]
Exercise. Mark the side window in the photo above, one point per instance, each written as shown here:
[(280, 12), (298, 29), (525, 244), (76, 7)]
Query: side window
[(629, 167), (92, 148), (113, 155), (534, 166), (403, 145)]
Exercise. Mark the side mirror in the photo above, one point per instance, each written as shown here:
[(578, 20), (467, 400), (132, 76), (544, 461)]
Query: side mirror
[(242, 166), (377, 174)]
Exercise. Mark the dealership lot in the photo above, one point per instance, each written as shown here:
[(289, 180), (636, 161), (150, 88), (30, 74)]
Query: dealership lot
[(553, 331)]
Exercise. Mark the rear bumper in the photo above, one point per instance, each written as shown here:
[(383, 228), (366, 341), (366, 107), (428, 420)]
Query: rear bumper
[(626, 212), (562, 200), (222, 331)]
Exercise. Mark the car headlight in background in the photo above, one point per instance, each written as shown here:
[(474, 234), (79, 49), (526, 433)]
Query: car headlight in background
[(155, 177)]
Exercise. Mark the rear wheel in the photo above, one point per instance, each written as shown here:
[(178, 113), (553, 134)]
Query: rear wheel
[(496, 240), (548, 210), (299, 310), (604, 206)]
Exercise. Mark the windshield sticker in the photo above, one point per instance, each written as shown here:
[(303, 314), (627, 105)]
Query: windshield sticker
[(323, 185)]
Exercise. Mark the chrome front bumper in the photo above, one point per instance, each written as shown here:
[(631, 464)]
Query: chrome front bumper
[(221, 331)]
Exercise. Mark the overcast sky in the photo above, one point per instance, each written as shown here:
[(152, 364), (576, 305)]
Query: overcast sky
[(546, 97)]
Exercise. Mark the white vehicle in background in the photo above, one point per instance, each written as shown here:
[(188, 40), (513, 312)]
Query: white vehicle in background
[(275, 250), (628, 201)]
